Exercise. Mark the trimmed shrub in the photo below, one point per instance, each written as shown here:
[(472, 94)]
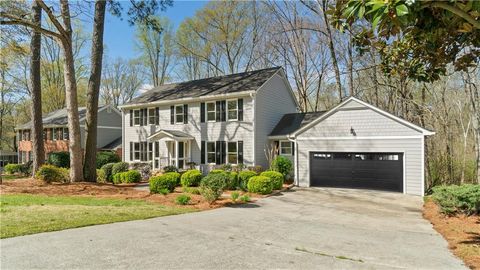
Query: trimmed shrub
[(119, 167), (191, 178), (107, 169), (50, 173), (217, 171), (105, 157), (165, 182), (277, 178), (458, 199), (182, 199), (101, 178), (282, 165), (232, 181), (243, 178), (260, 184), (59, 159), (13, 168), (212, 185), (170, 168), (127, 177)]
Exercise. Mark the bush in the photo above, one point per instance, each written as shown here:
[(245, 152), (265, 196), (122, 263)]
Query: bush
[(101, 178), (119, 167), (50, 173), (26, 168), (170, 168), (105, 157), (13, 168), (217, 171), (235, 196), (127, 177), (232, 181), (182, 199), (191, 178), (245, 198), (212, 185), (227, 167), (458, 199), (107, 169), (260, 184), (145, 169), (165, 182), (243, 178), (192, 190), (282, 165), (59, 159), (277, 178)]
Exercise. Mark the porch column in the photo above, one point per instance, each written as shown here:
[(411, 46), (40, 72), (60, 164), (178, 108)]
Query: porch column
[(176, 154)]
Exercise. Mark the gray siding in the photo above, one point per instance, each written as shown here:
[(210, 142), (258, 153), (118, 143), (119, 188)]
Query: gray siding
[(273, 100), (109, 128), (412, 149)]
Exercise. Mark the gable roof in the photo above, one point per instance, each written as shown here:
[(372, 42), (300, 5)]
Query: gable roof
[(60, 117), (227, 84), (293, 121), (113, 145), (380, 111)]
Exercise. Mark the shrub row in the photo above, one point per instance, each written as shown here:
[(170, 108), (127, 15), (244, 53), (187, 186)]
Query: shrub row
[(458, 199), (132, 176), (164, 183), (62, 159), (50, 173)]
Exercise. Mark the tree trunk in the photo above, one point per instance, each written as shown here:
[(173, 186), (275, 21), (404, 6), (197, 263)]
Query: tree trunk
[(350, 66), (93, 92), (75, 147), (38, 149)]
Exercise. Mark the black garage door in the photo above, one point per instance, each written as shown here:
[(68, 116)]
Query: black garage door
[(382, 171)]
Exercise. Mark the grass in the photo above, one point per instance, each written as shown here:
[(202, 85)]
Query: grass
[(28, 214), (6, 177)]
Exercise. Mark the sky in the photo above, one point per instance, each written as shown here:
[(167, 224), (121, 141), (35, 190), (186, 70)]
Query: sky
[(119, 35)]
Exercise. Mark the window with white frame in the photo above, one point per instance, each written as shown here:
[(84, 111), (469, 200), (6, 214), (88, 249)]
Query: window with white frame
[(179, 114), (65, 134), (54, 132), (232, 153), (136, 117), (232, 109), (136, 151), (211, 156), (211, 112), (151, 116), (285, 148)]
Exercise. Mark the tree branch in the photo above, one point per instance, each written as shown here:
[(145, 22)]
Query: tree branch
[(454, 10), (14, 20), (52, 17)]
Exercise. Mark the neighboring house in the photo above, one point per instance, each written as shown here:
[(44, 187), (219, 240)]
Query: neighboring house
[(240, 118), (55, 132)]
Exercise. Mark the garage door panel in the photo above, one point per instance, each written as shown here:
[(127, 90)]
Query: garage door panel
[(383, 171)]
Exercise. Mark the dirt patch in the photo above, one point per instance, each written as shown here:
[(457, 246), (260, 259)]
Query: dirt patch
[(461, 232), (32, 186)]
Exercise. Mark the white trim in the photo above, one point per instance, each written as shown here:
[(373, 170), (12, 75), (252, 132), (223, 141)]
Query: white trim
[(106, 127), (254, 113), (187, 100), (214, 111), (182, 114), (361, 138), (404, 155), (384, 113), (227, 110), (123, 136), (423, 166)]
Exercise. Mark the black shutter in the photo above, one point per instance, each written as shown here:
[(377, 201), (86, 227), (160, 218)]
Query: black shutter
[(131, 117), (218, 154), (224, 110), (293, 148), (218, 107), (141, 117), (240, 152), (185, 113), (202, 112), (202, 153), (223, 151), (240, 109), (157, 116), (131, 151), (145, 117), (172, 115)]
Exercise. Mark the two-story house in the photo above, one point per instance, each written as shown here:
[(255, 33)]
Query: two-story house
[(56, 135), (239, 118)]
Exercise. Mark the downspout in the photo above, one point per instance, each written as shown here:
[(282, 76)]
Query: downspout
[(123, 136), (252, 95), (295, 159)]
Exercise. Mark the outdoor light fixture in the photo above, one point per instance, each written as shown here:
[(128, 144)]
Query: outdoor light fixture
[(352, 131)]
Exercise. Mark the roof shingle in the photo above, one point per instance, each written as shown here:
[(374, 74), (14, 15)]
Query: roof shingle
[(293, 121)]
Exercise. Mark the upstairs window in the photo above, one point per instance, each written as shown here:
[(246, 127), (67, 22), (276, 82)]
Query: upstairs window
[(211, 112), (136, 117), (179, 113), (152, 116), (232, 109)]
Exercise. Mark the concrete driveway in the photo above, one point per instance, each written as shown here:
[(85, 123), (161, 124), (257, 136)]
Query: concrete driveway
[(300, 229)]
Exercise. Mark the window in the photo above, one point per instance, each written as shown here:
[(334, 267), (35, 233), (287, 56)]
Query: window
[(136, 117), (211, 152), (211, 113), (387, 157), (322, 156), (232, 109), (54, 134), (285, 148), (136, 151), (179, 114), (50, 134), (65, 133), (232, 157), (150, 151), (152, 116)]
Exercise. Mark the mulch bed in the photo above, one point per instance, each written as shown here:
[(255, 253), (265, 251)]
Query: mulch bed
[(127, 192), (461, 232)]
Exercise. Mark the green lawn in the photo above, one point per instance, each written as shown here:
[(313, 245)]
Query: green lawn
[(29, 214)]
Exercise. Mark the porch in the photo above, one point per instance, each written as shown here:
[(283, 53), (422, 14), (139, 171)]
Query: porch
[(171, 148)]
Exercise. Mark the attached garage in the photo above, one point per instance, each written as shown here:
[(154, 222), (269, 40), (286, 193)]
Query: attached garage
[(355, 145)]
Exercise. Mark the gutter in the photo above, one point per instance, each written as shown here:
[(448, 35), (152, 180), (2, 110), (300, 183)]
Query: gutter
[(252, 96)]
